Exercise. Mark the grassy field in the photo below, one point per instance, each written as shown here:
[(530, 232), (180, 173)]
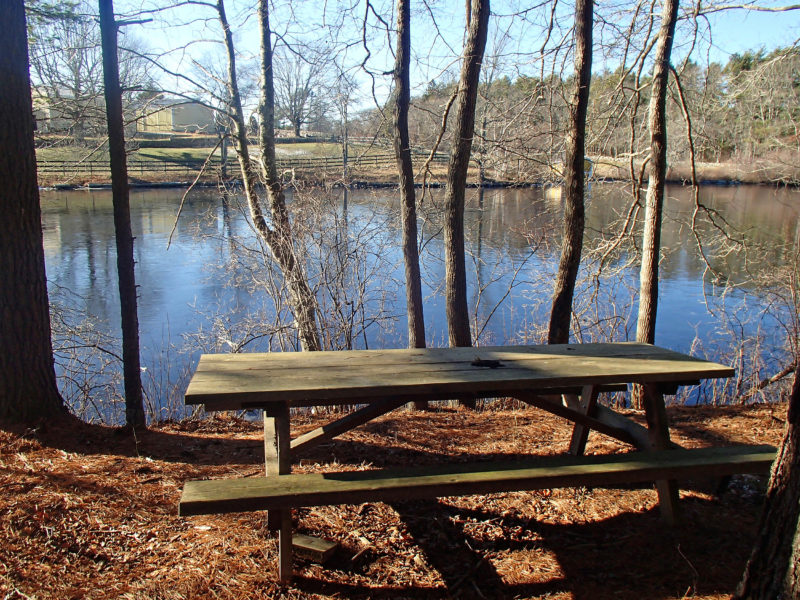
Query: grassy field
[(172, 154), (300, 150), (78, 165), (322, 160)]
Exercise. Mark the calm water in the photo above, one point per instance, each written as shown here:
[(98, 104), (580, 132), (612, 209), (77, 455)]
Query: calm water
[(200, 295)]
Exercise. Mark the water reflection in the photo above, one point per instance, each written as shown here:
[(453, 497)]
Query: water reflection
[(512, 240)]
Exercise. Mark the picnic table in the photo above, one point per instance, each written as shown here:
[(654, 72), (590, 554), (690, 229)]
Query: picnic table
[(563, 379)]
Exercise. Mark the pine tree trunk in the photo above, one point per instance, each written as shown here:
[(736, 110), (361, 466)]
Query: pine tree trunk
[(464, 129), (773, 571), (561, 312), (28, 390), (134, 407), (651, 236)]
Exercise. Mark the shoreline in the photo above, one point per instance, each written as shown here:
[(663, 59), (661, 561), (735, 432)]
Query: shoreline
[(364, 184)]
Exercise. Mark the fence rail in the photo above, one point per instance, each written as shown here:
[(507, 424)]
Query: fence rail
[(143, 168)]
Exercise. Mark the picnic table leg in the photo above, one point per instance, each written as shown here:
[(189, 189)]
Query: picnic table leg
[(658, 429), (585, 405), (285, 546), (277, 462)]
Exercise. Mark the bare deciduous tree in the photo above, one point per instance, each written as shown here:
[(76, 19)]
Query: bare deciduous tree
[(134, 406), (402, 150), (299, 85), (67, 72), (463, 130), (651, 237), (572, 243), (279, 236)]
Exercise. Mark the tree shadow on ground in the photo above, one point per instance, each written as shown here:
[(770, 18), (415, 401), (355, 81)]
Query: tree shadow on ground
[(201, 447), (625, 556)]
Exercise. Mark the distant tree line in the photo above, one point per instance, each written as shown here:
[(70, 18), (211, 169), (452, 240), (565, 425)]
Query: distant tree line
[(746, 109), (743, 110)]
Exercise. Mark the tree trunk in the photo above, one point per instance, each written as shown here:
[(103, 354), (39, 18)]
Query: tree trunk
[(304, 304), (223, 155), (345, 154), (561, 312), (651, 236), (28, 390), (773, 571), (651, 242), (455, 264), (278, 237), (402, 150), (134, 408)]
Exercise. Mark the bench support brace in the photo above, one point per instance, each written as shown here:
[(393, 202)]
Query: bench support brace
[(585, 406), (350, 421)]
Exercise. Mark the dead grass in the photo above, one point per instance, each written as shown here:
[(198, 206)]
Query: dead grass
[(777, 169), (89, 512)]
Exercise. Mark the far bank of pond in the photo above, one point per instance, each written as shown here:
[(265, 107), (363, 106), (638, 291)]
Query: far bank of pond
[(210, 291)]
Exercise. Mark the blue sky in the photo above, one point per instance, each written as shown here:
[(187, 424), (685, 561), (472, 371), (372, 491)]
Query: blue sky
[(731, 31), (738, 31)]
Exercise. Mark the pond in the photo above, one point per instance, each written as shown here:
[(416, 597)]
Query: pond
[(210, 291)]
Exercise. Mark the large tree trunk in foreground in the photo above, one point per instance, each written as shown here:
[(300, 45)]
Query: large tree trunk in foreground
[(773, 571), (134, 407), (561, 312), (463, 131), (408, 204), (28, 390)]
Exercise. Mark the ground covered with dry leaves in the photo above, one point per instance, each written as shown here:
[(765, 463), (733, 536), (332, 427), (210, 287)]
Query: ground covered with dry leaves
[(91, 512)]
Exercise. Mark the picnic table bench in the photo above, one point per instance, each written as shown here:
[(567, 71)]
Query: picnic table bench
[(563, 379)]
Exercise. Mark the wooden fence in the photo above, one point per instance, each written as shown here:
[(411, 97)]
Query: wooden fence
[(161, 169)]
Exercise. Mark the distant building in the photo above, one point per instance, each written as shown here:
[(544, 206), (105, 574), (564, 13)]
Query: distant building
[(60, 112), (177, 116)]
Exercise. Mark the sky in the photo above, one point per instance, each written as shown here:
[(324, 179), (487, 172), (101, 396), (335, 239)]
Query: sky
[(738, 31), (435, 48)]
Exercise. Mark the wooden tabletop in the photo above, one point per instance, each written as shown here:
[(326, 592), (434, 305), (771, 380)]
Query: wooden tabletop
[(241, 381)]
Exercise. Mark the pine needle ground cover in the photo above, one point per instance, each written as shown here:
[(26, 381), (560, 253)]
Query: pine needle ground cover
[(91, 512)]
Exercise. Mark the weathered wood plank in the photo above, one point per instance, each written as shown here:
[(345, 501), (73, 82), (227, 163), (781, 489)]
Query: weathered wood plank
[(313, 489), (316, 549), (284, 543), (274, 364), (277, 441), (225, 382), (658, 429), (636, 434), (354, 419), (552, 404), (405, 356), (580, 432), (277, 459)]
